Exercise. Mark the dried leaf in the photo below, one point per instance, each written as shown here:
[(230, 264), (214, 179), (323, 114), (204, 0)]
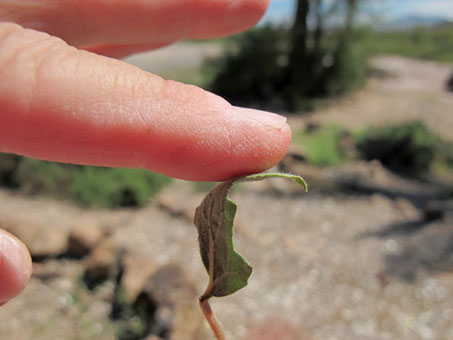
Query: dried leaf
[(228, 270)]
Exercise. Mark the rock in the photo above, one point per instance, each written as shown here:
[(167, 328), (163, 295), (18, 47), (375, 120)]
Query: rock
[(43, 240), (381, 200), (44, 272), (135, 273), (410, 212), (54, 269), (102, 264), (179, 201), (173, 298), (170, 205), (83, 238)]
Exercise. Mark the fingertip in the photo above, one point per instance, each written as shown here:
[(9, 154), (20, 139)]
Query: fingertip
[(15, 266), (268, 138), (225, 17), (249, 141)]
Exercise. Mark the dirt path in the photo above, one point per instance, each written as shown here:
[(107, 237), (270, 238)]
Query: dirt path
[(405, 90)]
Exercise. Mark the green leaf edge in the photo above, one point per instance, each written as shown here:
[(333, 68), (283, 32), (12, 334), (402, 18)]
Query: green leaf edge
[(258, 177)]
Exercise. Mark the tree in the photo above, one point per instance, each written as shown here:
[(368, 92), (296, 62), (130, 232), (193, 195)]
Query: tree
[(299, 38), (275, 66)]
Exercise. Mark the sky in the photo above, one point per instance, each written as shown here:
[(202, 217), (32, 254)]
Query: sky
[(281, 10)]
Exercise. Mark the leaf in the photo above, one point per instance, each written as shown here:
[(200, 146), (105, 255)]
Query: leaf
[(258, 177), (228, 270)]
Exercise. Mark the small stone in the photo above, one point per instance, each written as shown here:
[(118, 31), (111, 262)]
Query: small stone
[(102, 264), (409, 211), (83, 238), (179, 201), (381, 200), (136, 272), (173, 297), (42, 240)]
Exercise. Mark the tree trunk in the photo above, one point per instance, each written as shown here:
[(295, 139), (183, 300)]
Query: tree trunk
[(349, 20), (340, 53), (299, 37), (347, 28), (319, 30)]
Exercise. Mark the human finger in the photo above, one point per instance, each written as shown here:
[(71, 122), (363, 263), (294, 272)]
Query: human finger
[(61, 104), (15, 266), (133, 22)]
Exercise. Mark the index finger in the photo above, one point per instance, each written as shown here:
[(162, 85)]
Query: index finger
[(61, 104)]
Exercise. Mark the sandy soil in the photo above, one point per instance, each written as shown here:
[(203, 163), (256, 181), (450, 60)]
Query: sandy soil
[(401, 90)]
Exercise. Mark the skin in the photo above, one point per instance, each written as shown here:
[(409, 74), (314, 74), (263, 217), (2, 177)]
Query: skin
[(62, 99)]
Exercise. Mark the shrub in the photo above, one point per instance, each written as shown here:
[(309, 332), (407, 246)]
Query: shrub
[(113, 187), (252, 68), (429, 43), (35, 177), (88, 186), (322, 145), (347, 73), (256, 70), (8, 170), (409, 148)]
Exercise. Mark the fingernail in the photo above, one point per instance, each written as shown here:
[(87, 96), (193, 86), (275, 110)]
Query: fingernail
[(272, 120)]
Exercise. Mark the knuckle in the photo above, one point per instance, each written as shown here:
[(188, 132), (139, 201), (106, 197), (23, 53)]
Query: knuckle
[(24, 51)]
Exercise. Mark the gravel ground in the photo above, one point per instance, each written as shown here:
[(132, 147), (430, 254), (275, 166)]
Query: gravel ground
[(320, 262), (314, 266)]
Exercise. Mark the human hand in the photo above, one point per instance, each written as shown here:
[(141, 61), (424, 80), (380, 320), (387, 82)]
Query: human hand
[(60, 102)]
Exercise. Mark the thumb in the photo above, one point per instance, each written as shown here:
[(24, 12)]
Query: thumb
[(15, 266), (61, 104)]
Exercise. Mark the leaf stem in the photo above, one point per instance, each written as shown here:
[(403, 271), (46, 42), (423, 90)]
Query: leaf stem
[(210, 317)]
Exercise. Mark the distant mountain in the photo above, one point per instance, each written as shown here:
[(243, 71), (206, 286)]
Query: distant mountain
[(411, 21)]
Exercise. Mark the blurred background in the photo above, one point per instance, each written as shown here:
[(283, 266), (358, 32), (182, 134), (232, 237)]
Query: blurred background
[(367, 86)]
